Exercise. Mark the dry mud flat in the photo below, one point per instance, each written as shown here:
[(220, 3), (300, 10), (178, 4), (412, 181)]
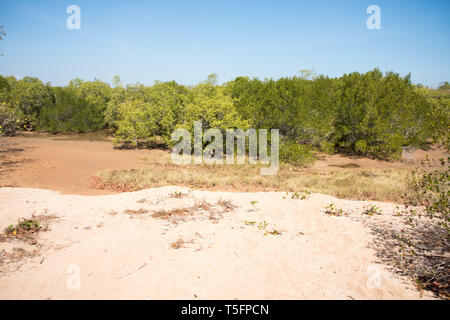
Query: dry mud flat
[(174, 243), (55, 162)]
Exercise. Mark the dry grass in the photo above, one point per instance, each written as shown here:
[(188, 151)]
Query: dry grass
[(139, 212), (352, 183), (17, 255), (180, 243), (418, 249), (179, 213), (25, 233), (201, 209)]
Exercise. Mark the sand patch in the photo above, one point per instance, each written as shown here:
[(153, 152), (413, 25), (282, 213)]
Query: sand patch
[(312, 255)]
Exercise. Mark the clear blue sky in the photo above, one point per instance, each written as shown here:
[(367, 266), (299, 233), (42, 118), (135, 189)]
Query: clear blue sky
[(186, 40)]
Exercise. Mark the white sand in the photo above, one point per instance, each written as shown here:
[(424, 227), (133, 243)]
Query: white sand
[(130, 257)]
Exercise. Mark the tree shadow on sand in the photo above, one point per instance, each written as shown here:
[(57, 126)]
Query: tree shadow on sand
[(419, 249), (9, 157)]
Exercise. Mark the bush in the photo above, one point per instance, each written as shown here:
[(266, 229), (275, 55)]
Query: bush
[(378, 114), (433, 190), (70, 113), (146, 116), (297, 154), (214, 107), (10, 119), (140, 122), (438, 115), (327, 147), (30, 95), (373, 114)]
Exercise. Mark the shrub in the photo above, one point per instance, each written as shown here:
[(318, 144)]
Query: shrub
[(30, 95), (214, 107), (433, 189), (373, 114), (70, 113), (294, 153), (140, 123), (332, 210), (145, 116), (10, 119), (377, 114)]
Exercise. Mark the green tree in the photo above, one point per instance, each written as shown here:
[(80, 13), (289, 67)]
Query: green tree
[(146, 116), (213, 107), (379, 114), (445, 86), (70, 113), (30, 95)]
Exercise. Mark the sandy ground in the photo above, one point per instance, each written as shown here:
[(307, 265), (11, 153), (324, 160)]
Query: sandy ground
[(96, 249), (206, 252)]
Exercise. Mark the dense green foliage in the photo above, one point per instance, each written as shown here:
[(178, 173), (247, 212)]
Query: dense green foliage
[(70, 112), (371, 114)]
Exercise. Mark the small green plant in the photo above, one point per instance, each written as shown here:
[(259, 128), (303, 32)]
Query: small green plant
[(406, 212), (262, 225), (274, 232), (372, 210), (30, 224), (10, 229), (332, 210), (253, 204), (176, 194), (24, 228), (302, 195)]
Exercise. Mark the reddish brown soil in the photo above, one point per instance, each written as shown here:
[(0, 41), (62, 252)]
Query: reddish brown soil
[(62, 165), (67, 163)]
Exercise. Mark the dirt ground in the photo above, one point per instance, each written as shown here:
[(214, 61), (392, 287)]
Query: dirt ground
[(67, 163), (174, 243), (60, 164)]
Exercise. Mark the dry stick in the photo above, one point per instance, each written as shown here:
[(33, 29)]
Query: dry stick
[(141, 267)]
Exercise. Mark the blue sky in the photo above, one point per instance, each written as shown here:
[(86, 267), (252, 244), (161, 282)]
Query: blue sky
[(186, 40)]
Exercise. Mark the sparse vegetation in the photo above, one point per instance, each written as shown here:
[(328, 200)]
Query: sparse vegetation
[(302, 195), (177, 194), (27, 229), (227, 205), (419, 250), (180, 243), (274, 232), (202, 209), (372, 184), (332, 210), (372, 210), (139, 212), (433, 190), (262, 225)]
